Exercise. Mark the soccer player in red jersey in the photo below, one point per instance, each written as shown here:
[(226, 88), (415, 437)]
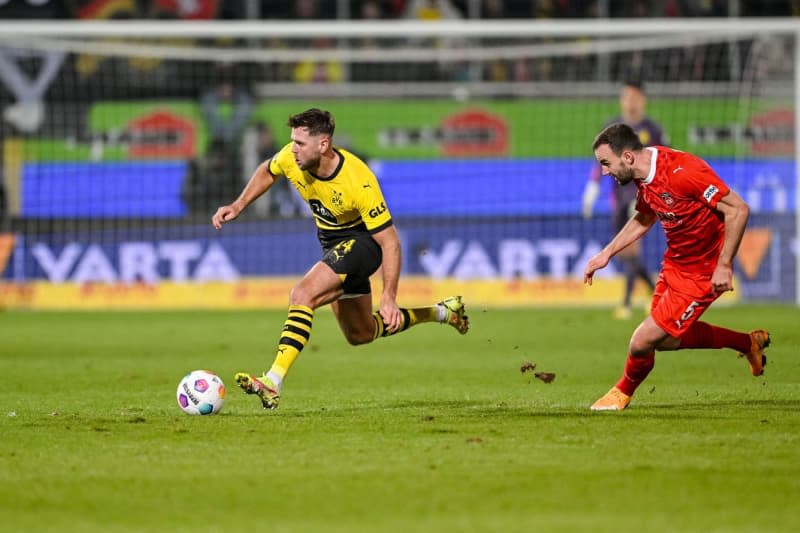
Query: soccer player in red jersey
[(704, 222)]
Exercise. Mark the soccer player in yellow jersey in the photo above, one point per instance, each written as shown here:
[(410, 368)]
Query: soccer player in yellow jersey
[(355, 229)]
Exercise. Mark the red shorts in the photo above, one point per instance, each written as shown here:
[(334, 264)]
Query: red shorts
[(679, 299)]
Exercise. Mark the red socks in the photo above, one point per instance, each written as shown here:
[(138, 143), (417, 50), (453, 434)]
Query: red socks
[(636, 370), (704, 335), (699, 335)]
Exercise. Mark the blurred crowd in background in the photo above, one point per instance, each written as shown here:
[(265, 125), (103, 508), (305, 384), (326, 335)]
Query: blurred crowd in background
[(145, 77), (48, 92), (390, 9)]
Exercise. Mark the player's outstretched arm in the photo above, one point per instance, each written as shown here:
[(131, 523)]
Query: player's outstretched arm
[(259, 183), (390, 247), (736, 213), (634, 229)]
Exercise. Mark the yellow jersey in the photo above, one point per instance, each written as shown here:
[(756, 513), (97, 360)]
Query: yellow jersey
[(347, 202)]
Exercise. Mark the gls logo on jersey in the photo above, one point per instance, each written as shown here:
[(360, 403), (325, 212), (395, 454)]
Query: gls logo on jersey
[(710, 192), (375, 212)]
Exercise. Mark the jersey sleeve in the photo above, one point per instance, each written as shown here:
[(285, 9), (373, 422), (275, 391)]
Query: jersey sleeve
[(372, 205), (280, 161), (696, 179)]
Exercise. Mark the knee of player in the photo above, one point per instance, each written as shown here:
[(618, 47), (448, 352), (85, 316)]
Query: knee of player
[(300, 296), (358, 337), (640, 348)]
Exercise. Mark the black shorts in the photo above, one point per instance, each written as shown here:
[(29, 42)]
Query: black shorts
[(355, 259)]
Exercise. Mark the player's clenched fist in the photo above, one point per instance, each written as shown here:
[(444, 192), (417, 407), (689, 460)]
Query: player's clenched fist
[(722, 279), (226, 213)]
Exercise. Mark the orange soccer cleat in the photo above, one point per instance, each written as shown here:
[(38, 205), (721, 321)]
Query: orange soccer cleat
[(759, 339), (613, 400)]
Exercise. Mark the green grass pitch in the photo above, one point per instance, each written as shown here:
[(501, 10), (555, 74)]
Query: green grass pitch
[(426, 431)]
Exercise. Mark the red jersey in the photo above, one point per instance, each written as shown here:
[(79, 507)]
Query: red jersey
[(682, 191)]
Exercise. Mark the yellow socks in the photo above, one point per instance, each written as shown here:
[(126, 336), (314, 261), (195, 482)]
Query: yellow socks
[(411, 317), (295, 335)]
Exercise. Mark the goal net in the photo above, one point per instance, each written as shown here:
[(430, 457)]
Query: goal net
[(120, 139)]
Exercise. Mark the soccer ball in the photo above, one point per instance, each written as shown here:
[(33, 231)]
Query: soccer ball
[(201, 393)]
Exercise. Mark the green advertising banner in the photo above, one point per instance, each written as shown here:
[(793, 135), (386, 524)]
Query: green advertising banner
[(536, 128), (428, 129)]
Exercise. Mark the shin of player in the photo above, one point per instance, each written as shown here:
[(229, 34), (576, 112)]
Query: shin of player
[(704, 222)]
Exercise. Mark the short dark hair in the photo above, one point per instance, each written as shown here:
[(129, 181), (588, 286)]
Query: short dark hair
[(316, 120), (618, 137), (636, 84)]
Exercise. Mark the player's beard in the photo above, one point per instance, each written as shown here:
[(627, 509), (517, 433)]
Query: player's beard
[(624, 176), (310, 164)]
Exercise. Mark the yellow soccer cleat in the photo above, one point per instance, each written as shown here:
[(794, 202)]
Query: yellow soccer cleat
[(455, 313), (262, 387), (613, 400), (759, 339)]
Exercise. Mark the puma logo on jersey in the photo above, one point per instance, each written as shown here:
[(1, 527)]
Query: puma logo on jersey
[(677, 169), (710, 192)]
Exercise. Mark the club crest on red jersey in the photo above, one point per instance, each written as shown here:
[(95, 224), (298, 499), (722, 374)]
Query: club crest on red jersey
[(667, 197)]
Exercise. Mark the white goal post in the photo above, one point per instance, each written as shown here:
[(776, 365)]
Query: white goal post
[(731, 107)]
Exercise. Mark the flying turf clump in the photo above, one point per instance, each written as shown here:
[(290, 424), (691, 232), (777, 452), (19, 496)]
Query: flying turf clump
[(528, 366)]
